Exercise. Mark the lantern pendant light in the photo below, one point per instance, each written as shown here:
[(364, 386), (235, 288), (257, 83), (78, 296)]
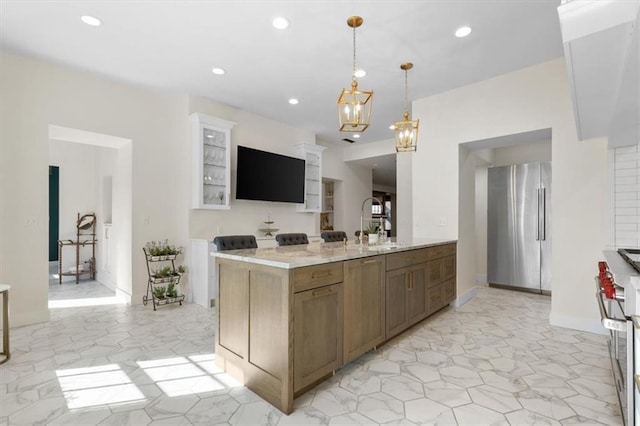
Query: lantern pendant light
[(406, 130), (354, 106)]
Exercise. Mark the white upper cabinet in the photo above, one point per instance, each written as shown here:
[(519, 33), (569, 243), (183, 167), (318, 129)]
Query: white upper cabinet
[(211, 178), (312, 154)]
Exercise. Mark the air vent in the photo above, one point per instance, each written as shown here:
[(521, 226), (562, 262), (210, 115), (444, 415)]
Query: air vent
[(348, 140)]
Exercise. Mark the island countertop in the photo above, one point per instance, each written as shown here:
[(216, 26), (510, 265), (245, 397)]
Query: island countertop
[(295, 256)]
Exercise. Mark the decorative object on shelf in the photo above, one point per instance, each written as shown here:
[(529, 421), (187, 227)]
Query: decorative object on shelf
[(85, 237), (268, 231), (406, 130), (163, 280), (354, 106)]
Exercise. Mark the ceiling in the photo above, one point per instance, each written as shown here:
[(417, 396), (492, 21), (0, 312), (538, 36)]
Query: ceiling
[(172, 46)]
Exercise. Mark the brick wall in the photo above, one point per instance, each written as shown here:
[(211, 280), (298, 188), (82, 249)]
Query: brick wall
[(627, 196)]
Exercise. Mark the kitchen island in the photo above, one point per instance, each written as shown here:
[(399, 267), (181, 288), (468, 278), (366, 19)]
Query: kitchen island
[(289, 316)]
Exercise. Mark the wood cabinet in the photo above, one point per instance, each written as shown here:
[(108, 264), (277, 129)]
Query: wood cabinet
[(211, 163), (318, 334), (364, 305), (441, 277), (405, 302)]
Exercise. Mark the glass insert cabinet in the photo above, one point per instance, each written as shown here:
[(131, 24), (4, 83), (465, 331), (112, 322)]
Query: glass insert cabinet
[(211, 180), (312, 154)]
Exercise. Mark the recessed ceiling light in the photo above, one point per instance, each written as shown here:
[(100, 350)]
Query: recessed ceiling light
[(360, 73), (280, 23), (463, 31), (91, 20), (293, 101), (217, 71), (356, 136)]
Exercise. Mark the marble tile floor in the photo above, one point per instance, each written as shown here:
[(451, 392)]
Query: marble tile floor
[(69, 290), (494, 360)]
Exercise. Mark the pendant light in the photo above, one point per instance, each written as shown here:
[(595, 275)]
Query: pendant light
[(354, 106), (406, 130)]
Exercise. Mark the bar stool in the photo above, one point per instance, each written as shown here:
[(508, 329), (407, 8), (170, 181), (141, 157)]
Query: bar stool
[(292, 239), (4, 291), (333, 236), (235, 242)]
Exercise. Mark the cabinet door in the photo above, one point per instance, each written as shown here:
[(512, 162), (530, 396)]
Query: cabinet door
[(312, 154), (233, 309), (318, 325), (435, 272), (449, 267), (364, 307), (211, 167), (396, 301), (434, 299), (416, 296), (448, 291)]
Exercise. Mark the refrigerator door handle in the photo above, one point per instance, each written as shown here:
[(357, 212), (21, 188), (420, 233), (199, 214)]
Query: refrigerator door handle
[(544, 214), (538, 221)]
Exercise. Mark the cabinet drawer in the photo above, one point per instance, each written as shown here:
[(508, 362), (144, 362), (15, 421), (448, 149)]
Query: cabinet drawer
[(449, 249), (440, 251), (435, 272), (316, 276), (448, 291), (406, 258)]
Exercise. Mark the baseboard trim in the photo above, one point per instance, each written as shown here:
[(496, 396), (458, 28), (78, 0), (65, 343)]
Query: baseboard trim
[(33, 317), (582, 324), (461, 300), (481, 278)]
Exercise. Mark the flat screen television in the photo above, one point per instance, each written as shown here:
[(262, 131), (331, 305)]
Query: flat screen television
[(266, 176)]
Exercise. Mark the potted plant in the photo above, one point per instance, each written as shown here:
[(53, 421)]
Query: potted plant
[(159, 292), (162, 250), (373, 233), (172, 290)]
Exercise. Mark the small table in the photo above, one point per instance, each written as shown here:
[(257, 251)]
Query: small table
[(4, 290)]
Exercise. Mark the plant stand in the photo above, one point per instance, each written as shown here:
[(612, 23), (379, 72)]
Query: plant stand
[(85, 236), (158, 281)]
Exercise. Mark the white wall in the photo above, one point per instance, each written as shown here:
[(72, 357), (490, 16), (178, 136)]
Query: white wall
[(525, 153), (481, 192), (533, 98), (156, 124), (151, 173), (246, 216), (353, 185)]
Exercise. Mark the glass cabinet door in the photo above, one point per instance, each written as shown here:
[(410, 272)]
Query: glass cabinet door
[(312, 154), (212, 162)]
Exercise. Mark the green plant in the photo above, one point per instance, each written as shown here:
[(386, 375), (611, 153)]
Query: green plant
[(162, 248), (165, 272), (372, 228), (172, 291), (159, 291), (182, 269)]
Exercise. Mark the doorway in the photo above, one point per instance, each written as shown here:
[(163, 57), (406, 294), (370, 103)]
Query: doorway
[(54, 212)]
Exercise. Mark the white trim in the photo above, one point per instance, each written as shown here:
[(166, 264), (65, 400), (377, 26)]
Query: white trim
[(582, 324), (461, 300), (481, 278)]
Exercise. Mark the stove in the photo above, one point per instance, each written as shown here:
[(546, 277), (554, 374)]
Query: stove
[(631, 256)]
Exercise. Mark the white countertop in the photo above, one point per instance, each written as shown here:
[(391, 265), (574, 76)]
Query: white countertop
[(289, 257)]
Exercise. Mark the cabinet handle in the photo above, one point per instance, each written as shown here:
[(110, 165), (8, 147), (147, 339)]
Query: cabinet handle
[(322, 292), (368, 261), (320, 274)]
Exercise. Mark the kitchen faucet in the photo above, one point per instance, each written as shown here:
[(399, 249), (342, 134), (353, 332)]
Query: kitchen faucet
[(362, 216)]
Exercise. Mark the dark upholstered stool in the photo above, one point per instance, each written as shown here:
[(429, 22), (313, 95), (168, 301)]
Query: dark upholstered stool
[(333, 236), (291, 239), (235, 242)]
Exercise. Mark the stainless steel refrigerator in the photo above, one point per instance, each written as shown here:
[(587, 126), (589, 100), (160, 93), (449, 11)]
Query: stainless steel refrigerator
[(519, 227)]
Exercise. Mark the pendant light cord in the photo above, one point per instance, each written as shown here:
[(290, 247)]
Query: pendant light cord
[(406, 91), (353, 73)]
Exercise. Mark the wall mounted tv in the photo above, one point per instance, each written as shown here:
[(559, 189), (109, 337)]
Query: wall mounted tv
[(267, 176)]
